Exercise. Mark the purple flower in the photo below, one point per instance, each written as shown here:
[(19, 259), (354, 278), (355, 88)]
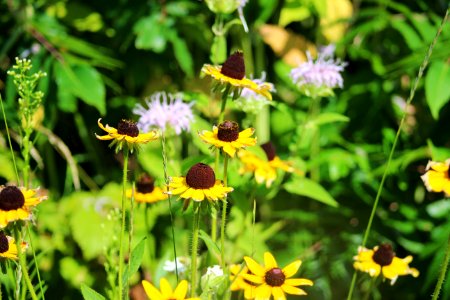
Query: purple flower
[(165, 110), (319, 77)]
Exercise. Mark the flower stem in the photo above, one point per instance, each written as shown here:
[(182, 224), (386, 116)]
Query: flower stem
[(224, 214), (391, 154), (444, 267), (122, 231), (23, 263), (194, 249), (166, 179), (315, 142), (224, 103)]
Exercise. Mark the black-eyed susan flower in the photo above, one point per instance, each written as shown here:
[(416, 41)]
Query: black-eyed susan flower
[(126, 134), (17, 203), (238, 282), (232, 74), (228, 137), (274, 281), (437, 177), (146, 191), (199, 183), (264, 170), (165, 291), (382, 259), (8, 247)]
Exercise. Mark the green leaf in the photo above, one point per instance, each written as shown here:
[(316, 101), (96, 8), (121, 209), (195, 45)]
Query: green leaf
[(90, 294), (295, 13), (329, 117), (82, 81), (309, 188), (436, 86), (212, 247), (182, 54), (135, 260), (409, 34), (150, 34), (439, 209), (219, 50)]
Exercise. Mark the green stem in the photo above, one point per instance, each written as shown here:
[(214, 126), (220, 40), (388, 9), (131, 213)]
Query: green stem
[(369, 290), (444, 267), (315, 142), (195, 226), (166, 179), (391, 154), (23, 263), (147, 229), (130, 232), (35, 263), (224, 214), (224, 103), (122, 230)]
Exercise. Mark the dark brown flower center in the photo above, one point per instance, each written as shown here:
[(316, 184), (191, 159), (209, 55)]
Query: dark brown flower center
[(127, 127), (275, 277), (269, 148), (11, 198), (145, 184), (200, 176), (228, 131), (383, 255), (4, 244), (234, 66)]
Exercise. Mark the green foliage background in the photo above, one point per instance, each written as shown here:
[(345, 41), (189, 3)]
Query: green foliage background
[(103, 57)]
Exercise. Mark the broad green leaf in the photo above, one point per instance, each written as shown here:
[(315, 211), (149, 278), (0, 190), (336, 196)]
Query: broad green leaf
[(182, 54), (411, 37), (135, 260), (309, 188), (439, 209), (291, 14), (150, 34), (82, 81), (90, 294), (436, 86), (329, 117)]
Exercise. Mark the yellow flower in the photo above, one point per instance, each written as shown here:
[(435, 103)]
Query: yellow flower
[(436, 178), (383, 260), (228, 137), (264, 170), (238, 282), (146, 191), (232, 74), (199, 183), (166, 292), (16, 204), (127, 133), (8, 247), (273, 281)]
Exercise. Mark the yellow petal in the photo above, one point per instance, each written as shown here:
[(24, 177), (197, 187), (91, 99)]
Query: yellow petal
[(152, 292), (181, 290), (292, 268), (166, 289), (263, 292), (298, 281), (254, 267), (269, 261), (246, 133), (229, 149), (198, 195), (253, 278), (292, 290), (278, 293)]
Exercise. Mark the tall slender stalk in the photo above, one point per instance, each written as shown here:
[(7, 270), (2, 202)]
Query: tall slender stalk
[(224, 214), (23, 263), (122, 230), (443, 271), (166, 179), (315, 142), (195, 228), (391, 154)]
